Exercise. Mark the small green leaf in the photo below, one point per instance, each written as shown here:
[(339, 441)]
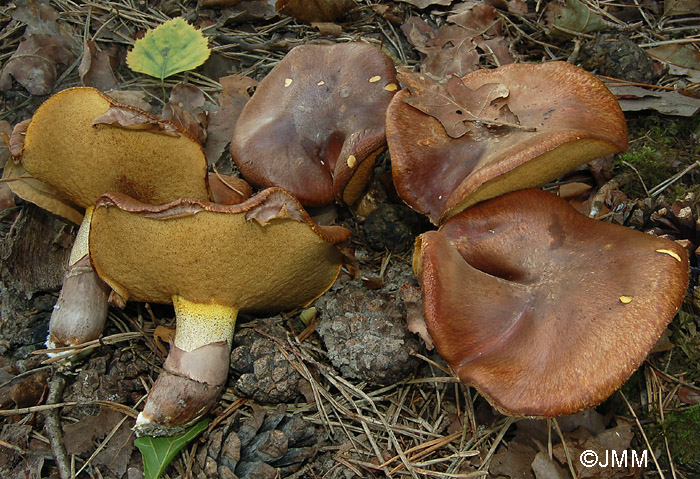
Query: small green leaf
[(173, 47), (157, 452)]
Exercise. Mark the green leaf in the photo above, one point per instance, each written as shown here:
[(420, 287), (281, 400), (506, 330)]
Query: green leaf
[(575, 16), (157, 452), (173, 47)]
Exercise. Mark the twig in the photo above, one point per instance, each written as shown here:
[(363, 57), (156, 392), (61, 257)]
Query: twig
[(53, 426), (644, 435)]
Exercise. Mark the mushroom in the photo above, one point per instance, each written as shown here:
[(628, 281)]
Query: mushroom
[(315, 124), (565, 117), (211, 261), (81, 143), (545, 311)]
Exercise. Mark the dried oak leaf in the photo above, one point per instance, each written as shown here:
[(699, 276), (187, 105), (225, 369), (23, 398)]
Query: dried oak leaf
[(95, 68), (186, 108), (122, 116), (459, 109), (451, 52), (37, 63), (426, 3), (221, 122), (85, 432)]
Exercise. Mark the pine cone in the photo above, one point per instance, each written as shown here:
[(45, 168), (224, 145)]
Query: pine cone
[(365, 334), (266, 375), (263, 446)]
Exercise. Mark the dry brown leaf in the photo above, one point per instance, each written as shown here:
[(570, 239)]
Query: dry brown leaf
[(480, 19), (115, 456), (222, 122), (689, 395), (451, 52), (634, 98), (545, 467), (24, 185), (310, 11), (135, 98), (412, 300), (328, 29), (681, 60), (163, 335), (85, 432), (681, 7), (426, 3), (458, 108), (513, 461), (36, 64), (186, 108), (95, 69), (22, 459), (122, 116)]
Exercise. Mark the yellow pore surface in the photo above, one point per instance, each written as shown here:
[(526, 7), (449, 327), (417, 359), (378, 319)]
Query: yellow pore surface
[(212, 258), (63, 149)]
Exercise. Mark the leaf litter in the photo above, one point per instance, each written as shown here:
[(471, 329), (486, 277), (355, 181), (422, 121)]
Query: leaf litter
[(427, 425)]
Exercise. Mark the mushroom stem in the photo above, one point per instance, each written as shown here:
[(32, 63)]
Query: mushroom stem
[(195, 371), (81, 310)]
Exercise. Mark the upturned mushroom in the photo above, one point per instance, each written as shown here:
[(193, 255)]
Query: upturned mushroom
[(315, 124), (545, 311), (495, 131), (210, 261), (82, 144)]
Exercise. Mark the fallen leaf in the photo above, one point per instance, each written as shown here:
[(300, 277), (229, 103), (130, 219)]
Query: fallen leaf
[(132, 98), (30, 391), (681, 59), (681, 7), (7, 199), (411, 298), (90, 429), (310, 11), (458, 108), (19, 456), (634, 98), (25, 186), (123, 116), (426, 3), (173, 47), (513, 461), (233, 98), (689, 395), (95, 69), (115, 456), (616, 439), (36, 64), (328, 29), (186, 108), (163, 335), (158, 452), (545, 467), (451, 52), (478, 18), (218, 3), (574, 16)]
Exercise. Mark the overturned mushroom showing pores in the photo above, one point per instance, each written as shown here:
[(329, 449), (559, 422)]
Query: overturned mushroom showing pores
[(315, 124), (545, 311), (82, 144), (555, 117), (211, 261)]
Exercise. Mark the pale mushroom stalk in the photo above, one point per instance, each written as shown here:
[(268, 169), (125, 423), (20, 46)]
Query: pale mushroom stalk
[(269, 256), (79, 144), (195, 370), (81, 310)]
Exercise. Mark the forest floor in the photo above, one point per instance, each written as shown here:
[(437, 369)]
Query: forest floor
[(357, 397)]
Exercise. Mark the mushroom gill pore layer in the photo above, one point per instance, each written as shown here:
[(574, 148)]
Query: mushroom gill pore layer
[(545, 311), (211, 261), (567, 117)]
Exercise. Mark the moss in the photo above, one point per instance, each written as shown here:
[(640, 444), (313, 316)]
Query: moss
[(682, 429), (650, 164)]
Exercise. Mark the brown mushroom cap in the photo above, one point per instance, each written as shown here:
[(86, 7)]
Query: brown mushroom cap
[(264, 254), (545, 311), (576, 120), (65, 149), (316, 122)]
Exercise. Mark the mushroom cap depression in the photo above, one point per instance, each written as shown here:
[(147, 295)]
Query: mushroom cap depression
[(264, 254), (545, 311), (575, 120), (74, 142), (316, 122)]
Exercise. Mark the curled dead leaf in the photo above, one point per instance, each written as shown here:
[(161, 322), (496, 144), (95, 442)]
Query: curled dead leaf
[(122, 116)]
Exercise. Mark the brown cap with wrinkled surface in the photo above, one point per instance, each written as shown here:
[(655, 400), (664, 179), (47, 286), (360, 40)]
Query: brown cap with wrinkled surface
[(73, 144), (264, 254), (316, 122), (576, 119), (545, 311)]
